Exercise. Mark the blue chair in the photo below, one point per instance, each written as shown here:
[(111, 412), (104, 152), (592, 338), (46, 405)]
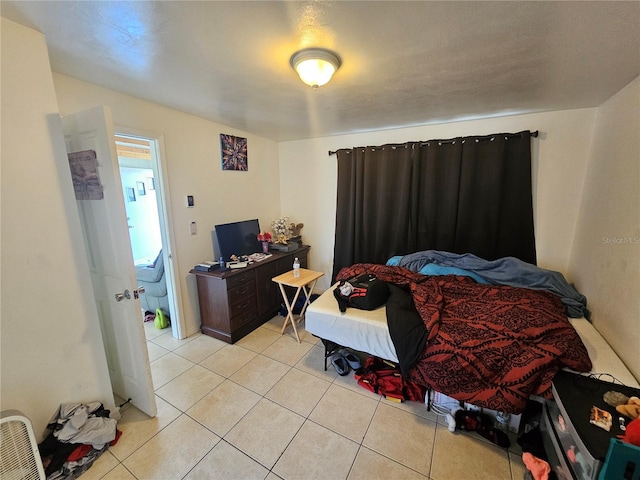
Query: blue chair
[(152, 278)]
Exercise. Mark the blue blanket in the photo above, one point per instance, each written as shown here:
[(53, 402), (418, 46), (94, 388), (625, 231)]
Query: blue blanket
[(504, 271)]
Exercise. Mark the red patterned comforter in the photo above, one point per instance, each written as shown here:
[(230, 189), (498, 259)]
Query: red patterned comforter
[(489, 345)]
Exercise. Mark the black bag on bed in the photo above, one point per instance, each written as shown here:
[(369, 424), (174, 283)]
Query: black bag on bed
[(365, 292)]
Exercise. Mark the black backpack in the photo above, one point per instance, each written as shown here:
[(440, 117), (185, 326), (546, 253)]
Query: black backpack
[(365, 292)]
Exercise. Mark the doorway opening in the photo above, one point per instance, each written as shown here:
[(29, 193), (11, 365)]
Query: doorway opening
[(139, 162)]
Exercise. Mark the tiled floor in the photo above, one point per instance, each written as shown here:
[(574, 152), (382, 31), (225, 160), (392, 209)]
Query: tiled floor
[(264, 408)]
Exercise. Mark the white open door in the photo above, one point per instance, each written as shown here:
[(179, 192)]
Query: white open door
[(106, 237)]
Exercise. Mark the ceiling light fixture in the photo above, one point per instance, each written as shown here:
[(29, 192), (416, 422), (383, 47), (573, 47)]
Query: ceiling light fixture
[(315, 66)]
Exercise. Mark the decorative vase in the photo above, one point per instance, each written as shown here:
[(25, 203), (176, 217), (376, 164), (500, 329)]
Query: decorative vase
[(265, 247)]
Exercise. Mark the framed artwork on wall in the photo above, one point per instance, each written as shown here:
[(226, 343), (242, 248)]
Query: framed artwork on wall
[(131, 194), (141, 189), (234, 153)]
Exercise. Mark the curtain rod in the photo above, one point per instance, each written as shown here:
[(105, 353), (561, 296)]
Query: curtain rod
[(533, 134)]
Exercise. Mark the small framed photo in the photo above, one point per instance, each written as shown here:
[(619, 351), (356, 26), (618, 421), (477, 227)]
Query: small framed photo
[(151, 183), (131, 194), (141, 189)]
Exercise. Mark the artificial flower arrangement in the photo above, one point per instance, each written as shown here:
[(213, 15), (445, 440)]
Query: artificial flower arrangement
[(284, 230), (281, 230), (265, 237)]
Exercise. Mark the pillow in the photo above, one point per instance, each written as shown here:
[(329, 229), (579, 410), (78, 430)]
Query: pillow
[(434, 269), (394, 261)]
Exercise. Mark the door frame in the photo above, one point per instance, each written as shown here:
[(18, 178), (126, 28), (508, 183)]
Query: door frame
[(167, 236)]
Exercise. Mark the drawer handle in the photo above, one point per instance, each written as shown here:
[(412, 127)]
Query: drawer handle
[(244, 305)]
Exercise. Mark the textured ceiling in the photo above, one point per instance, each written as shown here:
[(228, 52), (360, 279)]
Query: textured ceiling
[(404, 63)]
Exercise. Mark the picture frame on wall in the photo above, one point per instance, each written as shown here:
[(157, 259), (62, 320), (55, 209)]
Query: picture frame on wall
[(234, 153), (151, 183), (131, 194), (141, 189)]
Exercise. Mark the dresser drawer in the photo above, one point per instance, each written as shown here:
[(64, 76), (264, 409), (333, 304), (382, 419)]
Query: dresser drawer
[(245, 315), (239, 292), (245, 276), (246, 304)]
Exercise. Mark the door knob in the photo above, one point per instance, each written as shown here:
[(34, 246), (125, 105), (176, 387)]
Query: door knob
[(140, 290), (121, 296)]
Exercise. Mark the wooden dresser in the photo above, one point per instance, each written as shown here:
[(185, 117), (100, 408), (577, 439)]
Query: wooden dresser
[(236, 302)]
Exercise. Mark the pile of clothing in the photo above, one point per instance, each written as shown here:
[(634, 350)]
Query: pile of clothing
[(79, 434)]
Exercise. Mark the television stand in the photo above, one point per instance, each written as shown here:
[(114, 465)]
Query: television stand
[(235, 302)]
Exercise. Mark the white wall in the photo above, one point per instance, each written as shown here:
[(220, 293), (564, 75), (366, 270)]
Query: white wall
[(192, 156), (308, 178), (142, 214), (51, 346), (605, 261)]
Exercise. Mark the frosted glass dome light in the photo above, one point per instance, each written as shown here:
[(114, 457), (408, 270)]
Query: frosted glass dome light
[(315, 66)]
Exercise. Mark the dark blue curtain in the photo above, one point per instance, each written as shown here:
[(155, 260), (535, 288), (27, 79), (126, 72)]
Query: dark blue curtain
[(462, 195)]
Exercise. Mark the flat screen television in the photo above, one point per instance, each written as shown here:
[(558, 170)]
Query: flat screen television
[(237, 238)]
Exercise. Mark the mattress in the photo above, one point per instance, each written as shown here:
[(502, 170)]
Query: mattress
[(603, 358), (361, 330), (367, 331)]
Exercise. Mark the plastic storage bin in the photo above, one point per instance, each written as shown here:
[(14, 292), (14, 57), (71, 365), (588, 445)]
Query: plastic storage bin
[(579, 448)]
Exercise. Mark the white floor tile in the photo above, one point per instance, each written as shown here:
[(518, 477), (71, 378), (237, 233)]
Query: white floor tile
[(228, 463), (155, 351), (200, 348), (265, 432), (173, 452), (138, 428), (456, 455), (258, 340), (260, 374), (345, 412), (402, 437), (225, 406), (287, 350), (298, 391), (118, 473), (190, 387), (370, 465), (168, 367), (228, 360), (316, 453)]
